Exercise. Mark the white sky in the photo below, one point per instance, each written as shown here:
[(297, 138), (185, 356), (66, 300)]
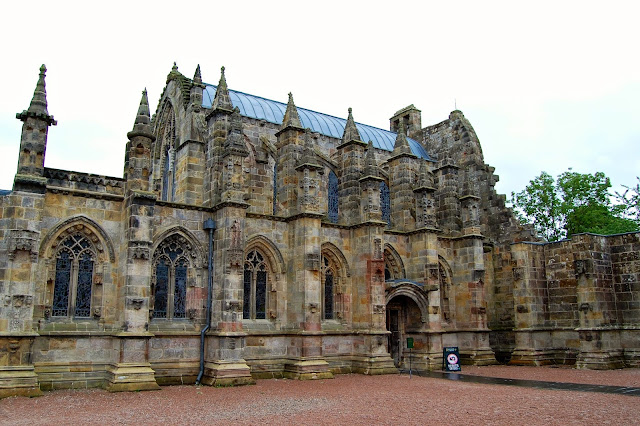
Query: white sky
[(546, 85)]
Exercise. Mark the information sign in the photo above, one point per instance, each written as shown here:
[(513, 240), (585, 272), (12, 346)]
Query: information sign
[(451, 359)]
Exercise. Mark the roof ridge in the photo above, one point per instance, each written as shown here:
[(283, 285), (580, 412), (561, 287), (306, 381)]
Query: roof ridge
[(305, 109)]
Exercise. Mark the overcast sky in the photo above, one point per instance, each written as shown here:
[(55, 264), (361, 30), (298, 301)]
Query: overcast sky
[(546, 85)]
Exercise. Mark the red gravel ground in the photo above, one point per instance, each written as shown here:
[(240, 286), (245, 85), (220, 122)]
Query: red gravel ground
[(347, 399)]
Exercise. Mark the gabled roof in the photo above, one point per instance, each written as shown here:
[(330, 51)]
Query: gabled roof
[(273, 112)]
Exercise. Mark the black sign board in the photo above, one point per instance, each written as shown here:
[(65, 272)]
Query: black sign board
[(409, 342), (451, 359)]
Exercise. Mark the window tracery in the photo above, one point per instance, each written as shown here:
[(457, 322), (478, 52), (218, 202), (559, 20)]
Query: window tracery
[(255, 286), (171, 264), (73, 277), (328, 289)]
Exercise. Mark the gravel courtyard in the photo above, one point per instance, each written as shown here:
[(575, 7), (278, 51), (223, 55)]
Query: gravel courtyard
[(347, 399)]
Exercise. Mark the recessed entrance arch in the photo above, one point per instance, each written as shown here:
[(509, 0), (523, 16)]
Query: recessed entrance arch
[(406, 317)]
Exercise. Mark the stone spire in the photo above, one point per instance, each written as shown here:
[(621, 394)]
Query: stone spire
[(222, 100), (197, 78), (142, 125), (350, 130), (291, 118), (401, 146), (38, 106), (425, 177), (370, 167)]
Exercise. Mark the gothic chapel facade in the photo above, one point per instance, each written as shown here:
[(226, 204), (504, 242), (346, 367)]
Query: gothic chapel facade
[(251, 239)]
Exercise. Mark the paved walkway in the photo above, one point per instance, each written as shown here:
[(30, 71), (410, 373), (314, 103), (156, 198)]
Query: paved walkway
[(539, 384)]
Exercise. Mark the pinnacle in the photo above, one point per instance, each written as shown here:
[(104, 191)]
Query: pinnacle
[(143, 116), (197, 77), (38, 106), (175, 67), (370, 166), (291, 117), (142, 125), (402, 144), (222, 100), (39, 100), (351, 132)]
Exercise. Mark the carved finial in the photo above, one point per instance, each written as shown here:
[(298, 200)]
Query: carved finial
[(197, 77), (38, 105), (222, 100), (351, 132), (291, 118), (402, 144), (174, 68)]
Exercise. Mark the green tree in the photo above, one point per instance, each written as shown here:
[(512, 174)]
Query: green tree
[(629, 201), (573, 204)]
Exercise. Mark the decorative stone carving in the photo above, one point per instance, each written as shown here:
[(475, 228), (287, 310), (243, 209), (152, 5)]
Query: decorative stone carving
[(23, 240), (312, 261), (377, 249), (313, 308), (139, 250), (517, 273), (233, 306), (236, 235), (97, 312), (379, 309), (135, 302), (583, 267)]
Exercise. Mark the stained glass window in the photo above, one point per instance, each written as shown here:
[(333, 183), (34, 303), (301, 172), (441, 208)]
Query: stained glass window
[(332, 207), (74, 278), (385, 203), (170, 281), (255, 286)]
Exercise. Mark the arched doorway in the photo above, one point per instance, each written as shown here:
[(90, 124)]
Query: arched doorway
[(404, 319)]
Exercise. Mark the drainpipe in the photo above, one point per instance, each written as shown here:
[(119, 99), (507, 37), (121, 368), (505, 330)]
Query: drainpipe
[(209, 225)]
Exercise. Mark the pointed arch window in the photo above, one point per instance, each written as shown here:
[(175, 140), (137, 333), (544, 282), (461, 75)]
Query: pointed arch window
[(385, 203), (73, 278), (328, 289), (255, 286), (170, 266), (332, 198), (167, 141)]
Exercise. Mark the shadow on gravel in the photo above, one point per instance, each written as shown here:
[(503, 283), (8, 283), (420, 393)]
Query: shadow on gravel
[(538, 384)]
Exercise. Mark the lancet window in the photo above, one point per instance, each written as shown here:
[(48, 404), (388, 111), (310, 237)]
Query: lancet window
[(385, 203), (72, 290), (171, 266), (332, 198), (166, 139), (328, 289), (255, 286), (275, 188)]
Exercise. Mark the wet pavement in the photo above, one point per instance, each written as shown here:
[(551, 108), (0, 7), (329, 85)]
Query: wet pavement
[(539, 384)]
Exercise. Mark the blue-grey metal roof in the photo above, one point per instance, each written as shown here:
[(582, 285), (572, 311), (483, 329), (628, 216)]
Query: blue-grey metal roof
[(4, 192), (273, 112)]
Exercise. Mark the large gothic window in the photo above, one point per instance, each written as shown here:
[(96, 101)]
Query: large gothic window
[(332, 189), (385, 203), (328, 289), (255, 286), (73, 278), (171, 265)]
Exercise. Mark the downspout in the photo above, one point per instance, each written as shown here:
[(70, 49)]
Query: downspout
[(209, 225)]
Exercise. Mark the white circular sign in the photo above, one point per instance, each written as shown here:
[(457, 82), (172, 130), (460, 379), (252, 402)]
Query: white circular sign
[(452, 359)]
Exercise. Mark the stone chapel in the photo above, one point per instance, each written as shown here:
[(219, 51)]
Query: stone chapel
[(251, 239)]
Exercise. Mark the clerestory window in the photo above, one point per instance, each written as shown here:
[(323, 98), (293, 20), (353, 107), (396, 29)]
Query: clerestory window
[(73, 278)]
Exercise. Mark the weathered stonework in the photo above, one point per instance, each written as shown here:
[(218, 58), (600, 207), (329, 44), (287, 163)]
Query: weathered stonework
[(327, 254)]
